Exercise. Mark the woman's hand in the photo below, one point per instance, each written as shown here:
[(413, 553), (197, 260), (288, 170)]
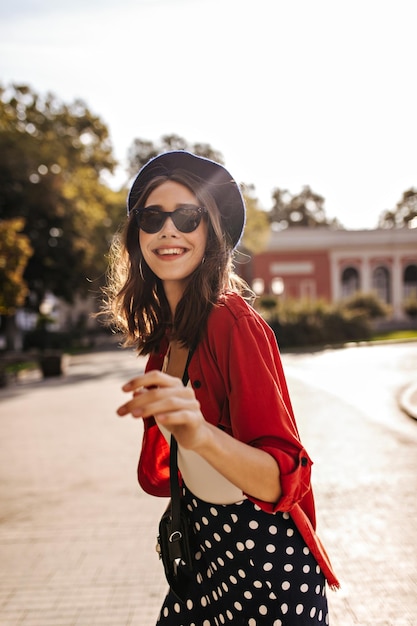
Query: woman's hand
[(174, 406)]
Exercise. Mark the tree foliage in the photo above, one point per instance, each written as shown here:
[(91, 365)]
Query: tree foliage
[(257, 225), (141, 150), (303, 209), (52, 159), (405, 213), (15, 250)]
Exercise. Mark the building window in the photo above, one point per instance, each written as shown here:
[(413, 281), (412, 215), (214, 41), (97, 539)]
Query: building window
[(350, 282), (381, 284), (410, 281)]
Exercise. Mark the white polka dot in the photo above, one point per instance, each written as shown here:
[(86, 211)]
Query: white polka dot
[(206, 622), (253, 524), (240, 546), (221, 618), (277, 622), (284, 608), (306, 550), (272, 596), (165, 612), (304, 588), (229, 615), (318, 570), (290, 532), (273, 530), (248, 595), (257, 584), (267, 567), (285, 585), (234, 517), (263, 610), (270, 548), (286, 515), (213, 511), (220, 561), (177, 608), (197, 526), (313, 611), (320, 615), (249, 544), (229, 554), (318, 589), (238, 606), (207, 543), (227, 528), (233, 580), (252, 622), (288, 567), (217, 537), (290, 550), (299, 609), (214, 594), (205, 521), (225, 587), (306, 569), (203, 601), (190, 604), (242, 573)]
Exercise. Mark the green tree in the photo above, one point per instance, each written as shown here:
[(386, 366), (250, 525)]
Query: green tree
[(257, 227), (15, 250), (52, 159), (141, 150), (405, 213), (303, 209)]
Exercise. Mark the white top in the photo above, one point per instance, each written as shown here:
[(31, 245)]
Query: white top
[(200, 477)]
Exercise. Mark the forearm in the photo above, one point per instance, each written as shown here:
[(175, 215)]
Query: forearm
[(252, 470)]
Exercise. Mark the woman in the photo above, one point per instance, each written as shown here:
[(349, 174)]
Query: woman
[(246, 475)]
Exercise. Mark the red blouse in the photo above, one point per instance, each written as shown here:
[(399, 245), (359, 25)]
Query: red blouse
[(237, 376)]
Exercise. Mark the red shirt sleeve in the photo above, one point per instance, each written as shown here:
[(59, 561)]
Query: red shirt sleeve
[(260, 410)]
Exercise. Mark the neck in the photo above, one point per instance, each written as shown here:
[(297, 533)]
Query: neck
[(174, 292)]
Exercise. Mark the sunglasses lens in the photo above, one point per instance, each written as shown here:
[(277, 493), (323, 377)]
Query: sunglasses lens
[(186, 219), (150, 220)]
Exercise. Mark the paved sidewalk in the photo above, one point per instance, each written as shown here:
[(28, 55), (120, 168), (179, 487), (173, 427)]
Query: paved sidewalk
[(77, 534)]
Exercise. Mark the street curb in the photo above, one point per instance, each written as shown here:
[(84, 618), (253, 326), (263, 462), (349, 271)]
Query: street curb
[(408, 400)]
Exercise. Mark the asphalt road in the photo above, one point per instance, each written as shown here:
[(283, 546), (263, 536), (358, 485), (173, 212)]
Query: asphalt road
[(77, 534)]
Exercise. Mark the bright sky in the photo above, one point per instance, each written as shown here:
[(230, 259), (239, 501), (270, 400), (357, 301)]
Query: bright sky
[(292, 93)]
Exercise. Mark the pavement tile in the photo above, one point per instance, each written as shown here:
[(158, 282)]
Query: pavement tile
[(77, 534)]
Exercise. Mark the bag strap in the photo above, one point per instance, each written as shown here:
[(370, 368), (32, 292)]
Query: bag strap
[(173, 468)]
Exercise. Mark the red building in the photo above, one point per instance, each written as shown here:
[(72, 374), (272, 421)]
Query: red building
[(321, 263)]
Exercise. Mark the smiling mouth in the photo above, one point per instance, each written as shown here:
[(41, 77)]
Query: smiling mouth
[(170, 251)]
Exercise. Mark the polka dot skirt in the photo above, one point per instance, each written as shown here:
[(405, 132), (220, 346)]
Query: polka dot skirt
[(251, 569)]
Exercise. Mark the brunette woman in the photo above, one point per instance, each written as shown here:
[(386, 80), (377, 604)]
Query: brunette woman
[(245, 473)]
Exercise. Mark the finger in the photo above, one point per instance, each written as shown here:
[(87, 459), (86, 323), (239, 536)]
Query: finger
[(154, 378)]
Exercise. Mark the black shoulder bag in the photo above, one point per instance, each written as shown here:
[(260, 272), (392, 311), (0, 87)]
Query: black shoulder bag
[(174, 529)]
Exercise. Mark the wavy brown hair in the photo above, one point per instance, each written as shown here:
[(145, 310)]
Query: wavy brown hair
[(135, 301)]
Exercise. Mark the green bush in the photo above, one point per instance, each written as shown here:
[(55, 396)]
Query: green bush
[(305, 323)]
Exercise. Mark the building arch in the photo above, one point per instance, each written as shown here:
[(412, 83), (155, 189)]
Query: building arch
[(410, 281), (381, 283), (350, 281)]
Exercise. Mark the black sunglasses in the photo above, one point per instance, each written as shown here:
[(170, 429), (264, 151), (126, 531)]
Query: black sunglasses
[(186, 218)]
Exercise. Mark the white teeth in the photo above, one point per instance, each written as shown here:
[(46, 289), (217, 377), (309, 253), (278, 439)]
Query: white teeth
[(171, 251)]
